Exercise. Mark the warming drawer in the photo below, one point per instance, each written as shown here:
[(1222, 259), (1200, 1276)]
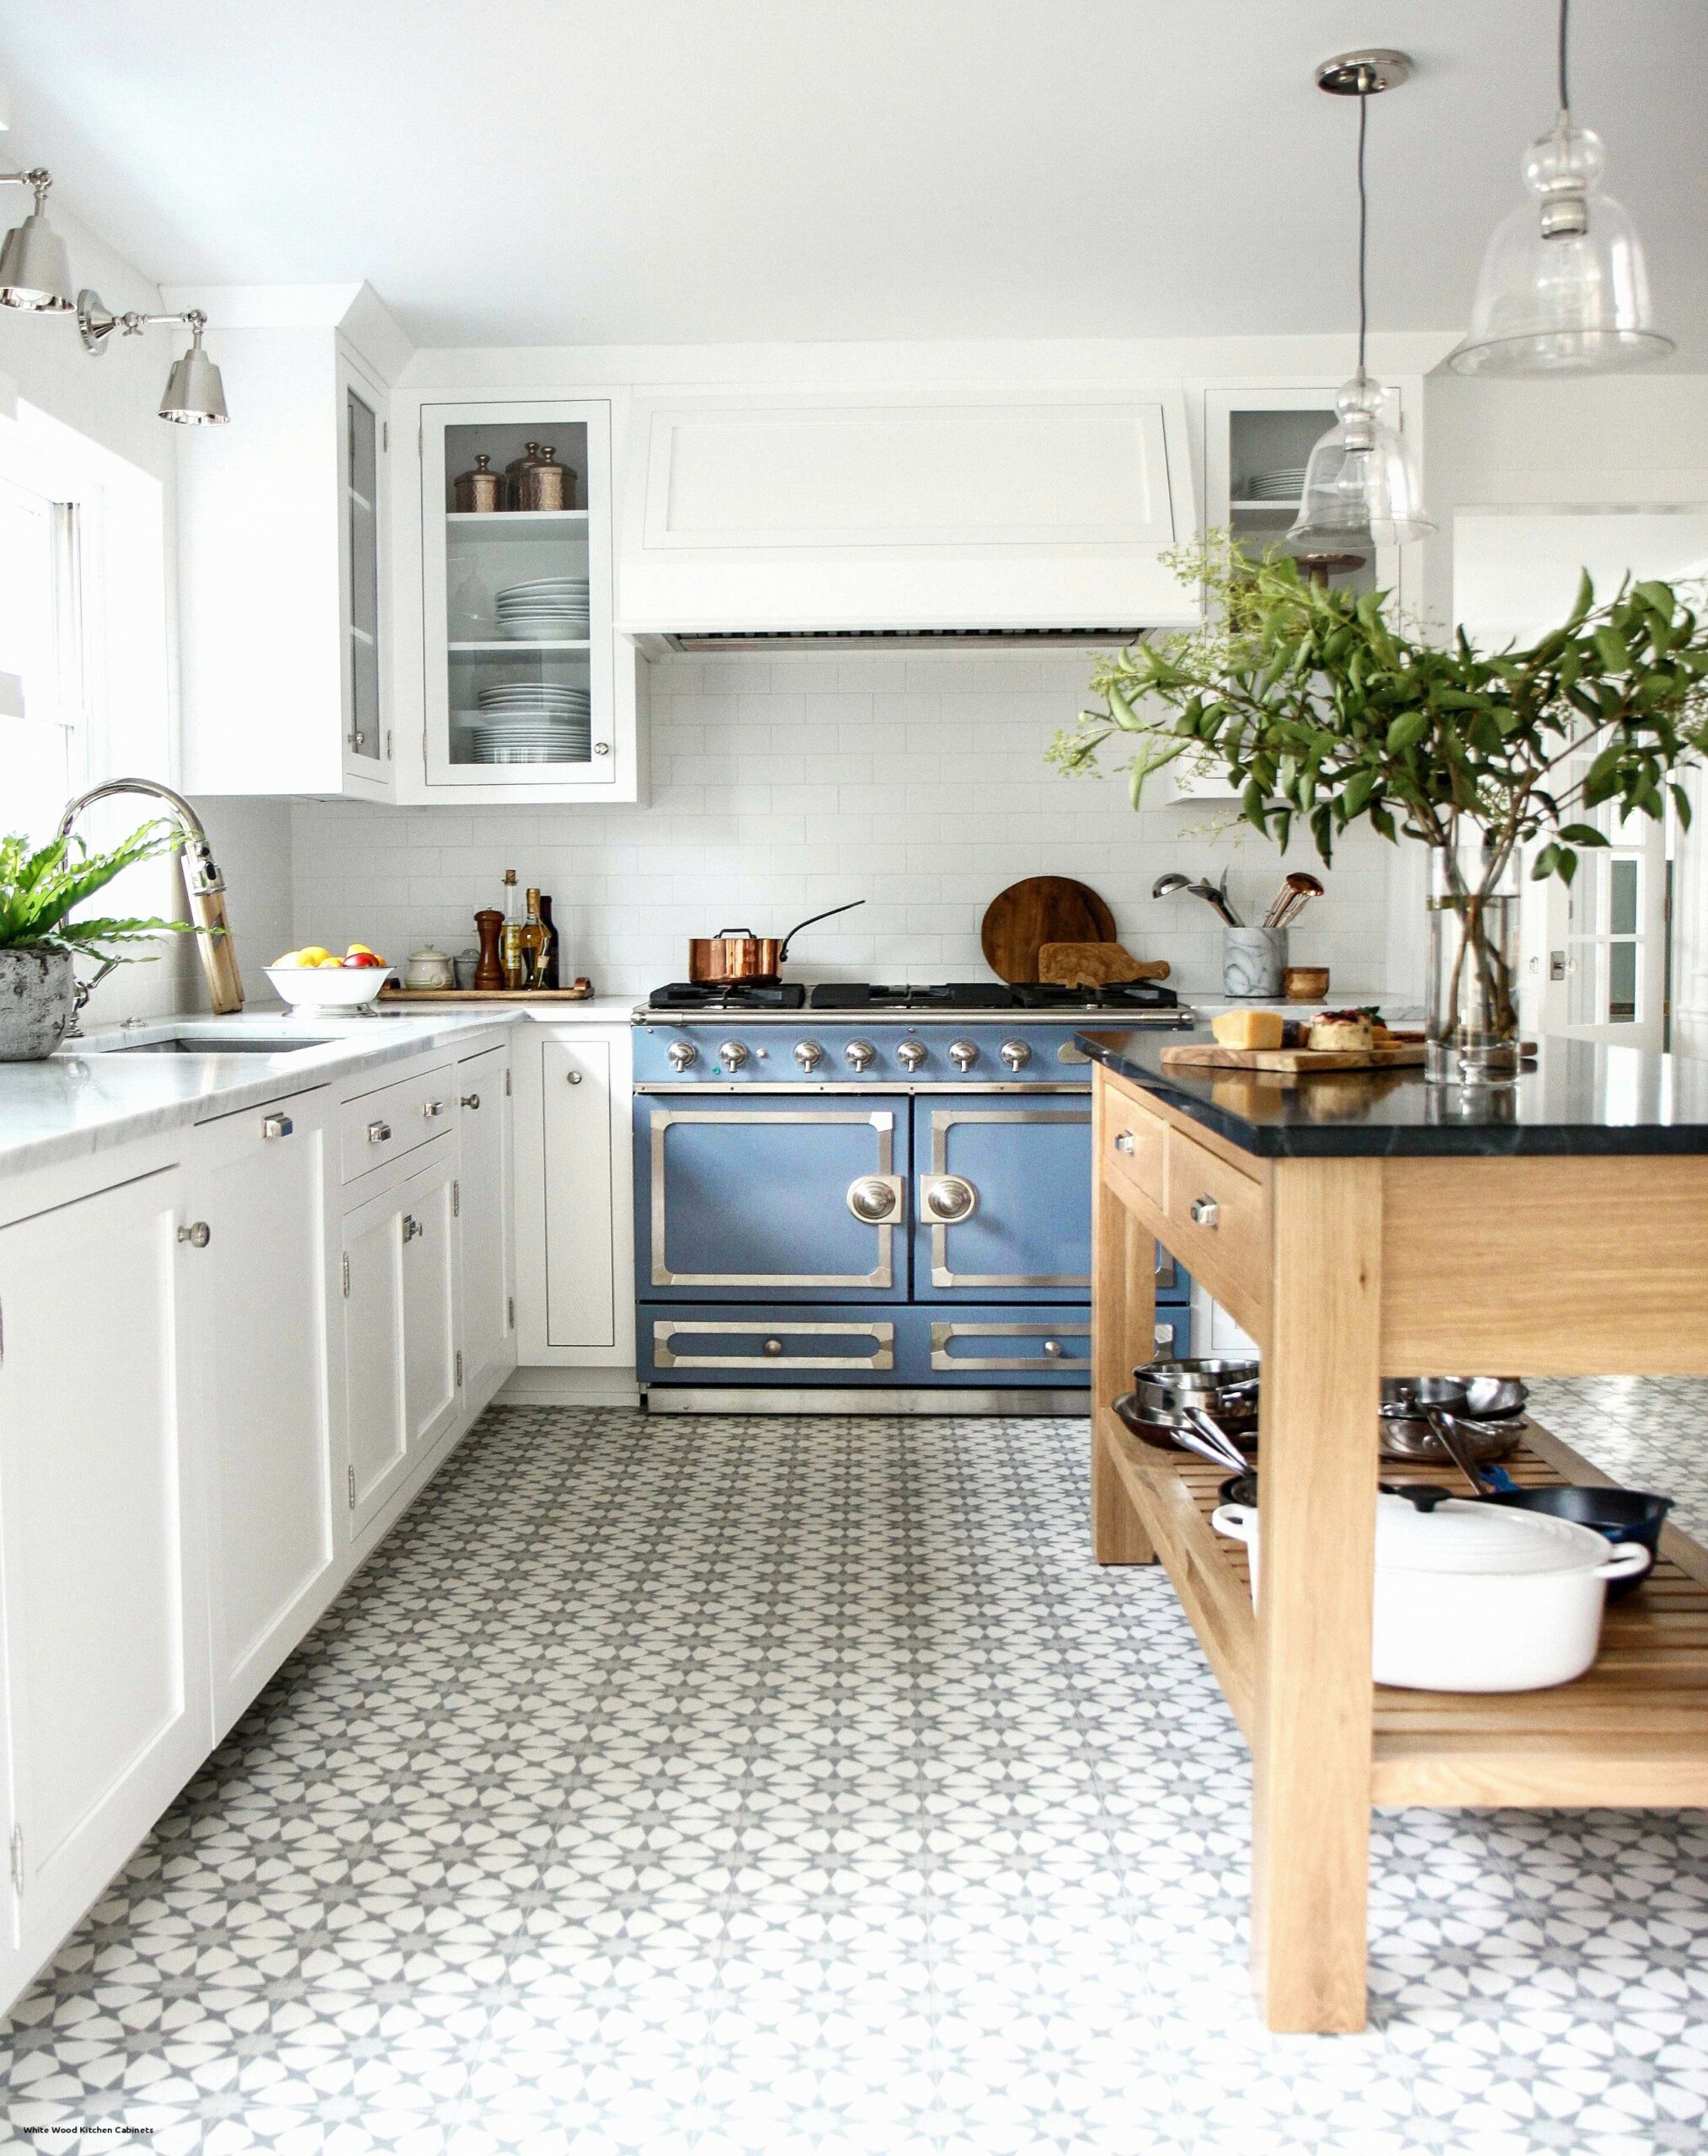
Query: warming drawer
[(996, 1347)]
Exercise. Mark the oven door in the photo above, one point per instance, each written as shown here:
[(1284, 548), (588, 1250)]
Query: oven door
[(763, 1197), (1002, 1197)]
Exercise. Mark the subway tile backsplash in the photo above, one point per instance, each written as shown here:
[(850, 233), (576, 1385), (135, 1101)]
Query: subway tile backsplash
[(783, 786)]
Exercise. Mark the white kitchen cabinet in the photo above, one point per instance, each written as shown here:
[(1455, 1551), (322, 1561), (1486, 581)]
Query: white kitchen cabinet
[(283, 574), (477, 660), (400, 1282), (260, 1326), (574, 1183), (106, 1707), (484, 1221)]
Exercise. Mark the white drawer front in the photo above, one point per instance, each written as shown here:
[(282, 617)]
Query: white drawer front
[(384, 1125)]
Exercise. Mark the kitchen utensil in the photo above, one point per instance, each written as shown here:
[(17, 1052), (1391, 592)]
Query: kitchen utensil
[(1296, 892), (1215, 897), (1091, 965), (480, 491), (1472, 1596), (1487, 1399), (1185, 1433), (1406, 1434), (1304, 983), (1623, 1516), (1254, 961), (1166, 886), (545, 483), (429, 968), (737, 954), (328, 988), (489, 925), (1447, 1430), (1040, 909)]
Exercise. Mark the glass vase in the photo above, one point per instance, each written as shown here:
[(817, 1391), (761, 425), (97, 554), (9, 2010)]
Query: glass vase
[(1471, 1030)]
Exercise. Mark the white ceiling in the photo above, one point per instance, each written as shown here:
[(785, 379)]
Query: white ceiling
[(603, 171)]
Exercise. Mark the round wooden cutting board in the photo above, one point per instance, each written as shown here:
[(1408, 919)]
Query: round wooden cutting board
[(1038, 910)]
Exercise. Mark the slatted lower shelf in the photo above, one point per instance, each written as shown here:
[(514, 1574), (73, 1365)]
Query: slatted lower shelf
[(1633, 1730)]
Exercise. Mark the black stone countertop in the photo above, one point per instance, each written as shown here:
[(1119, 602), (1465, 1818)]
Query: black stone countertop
[(1577, 1097)]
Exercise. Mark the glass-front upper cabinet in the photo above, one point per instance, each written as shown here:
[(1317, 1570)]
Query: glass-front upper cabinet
[(362, 431), (517, 553)]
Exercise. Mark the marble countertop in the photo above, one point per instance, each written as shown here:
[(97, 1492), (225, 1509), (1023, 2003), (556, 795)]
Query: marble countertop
[(89, 1096), (1577, 1098)]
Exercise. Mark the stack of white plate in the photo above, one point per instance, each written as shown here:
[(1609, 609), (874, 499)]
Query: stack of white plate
[(1286, 485), (531, 723), (549, 610)]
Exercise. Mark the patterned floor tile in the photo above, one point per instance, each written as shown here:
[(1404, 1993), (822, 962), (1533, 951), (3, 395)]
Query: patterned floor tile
[(799, 1786)]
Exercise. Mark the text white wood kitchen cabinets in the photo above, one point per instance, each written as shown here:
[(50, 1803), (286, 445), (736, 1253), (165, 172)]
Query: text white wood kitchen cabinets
[(202, 1434)]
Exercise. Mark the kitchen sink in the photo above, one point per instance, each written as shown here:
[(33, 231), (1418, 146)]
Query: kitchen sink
[(236, 1044)]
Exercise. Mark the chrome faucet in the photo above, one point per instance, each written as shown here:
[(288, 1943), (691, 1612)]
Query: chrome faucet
[(202, 881)]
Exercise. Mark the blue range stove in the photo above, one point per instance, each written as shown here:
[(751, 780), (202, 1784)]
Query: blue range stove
[(876, 1199)]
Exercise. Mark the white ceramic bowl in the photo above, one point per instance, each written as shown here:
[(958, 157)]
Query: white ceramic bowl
[(328, 988)]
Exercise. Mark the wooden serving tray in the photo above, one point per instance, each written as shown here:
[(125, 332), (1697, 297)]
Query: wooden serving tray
[(484, 995), (1212, 1057)]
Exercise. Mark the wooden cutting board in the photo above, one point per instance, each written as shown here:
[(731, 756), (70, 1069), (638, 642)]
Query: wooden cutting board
[(1082, 965), (1040, 909), (1210, 1057)]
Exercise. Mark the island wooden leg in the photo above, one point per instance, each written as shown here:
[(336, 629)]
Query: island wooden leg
[(1317, 1471), (1123, 1333)]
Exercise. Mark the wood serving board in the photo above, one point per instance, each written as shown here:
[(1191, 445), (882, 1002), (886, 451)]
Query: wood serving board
[(1292, 1059), (484, 995), (1038, 910)]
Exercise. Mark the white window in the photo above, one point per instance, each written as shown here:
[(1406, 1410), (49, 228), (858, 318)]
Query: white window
[(43, 712)]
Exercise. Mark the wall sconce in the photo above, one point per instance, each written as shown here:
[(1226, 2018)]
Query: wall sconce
[(34, 270), (194, 396)]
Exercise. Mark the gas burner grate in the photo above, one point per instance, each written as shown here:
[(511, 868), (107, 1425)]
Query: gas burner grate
[(728, 996), (938, 995)]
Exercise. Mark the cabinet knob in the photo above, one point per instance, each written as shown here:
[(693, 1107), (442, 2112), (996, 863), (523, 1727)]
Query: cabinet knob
[(379, 1132), (198, 1234), (276, 1126), (470, 1100), (574, 1077), (1052, 1347), (773, 1347), (602, 748), (1206, 1212), (1124, 1141)]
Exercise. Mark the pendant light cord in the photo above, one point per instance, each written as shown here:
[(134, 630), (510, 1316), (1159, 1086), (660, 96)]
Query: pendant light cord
[(1565, 91), (1363, 219)]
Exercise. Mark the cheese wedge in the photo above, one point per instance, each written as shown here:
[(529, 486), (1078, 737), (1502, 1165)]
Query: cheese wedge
[(1247, 1028)]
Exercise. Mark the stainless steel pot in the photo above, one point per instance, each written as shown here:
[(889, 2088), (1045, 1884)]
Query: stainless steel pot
[(737, 954), (1198, 1404)]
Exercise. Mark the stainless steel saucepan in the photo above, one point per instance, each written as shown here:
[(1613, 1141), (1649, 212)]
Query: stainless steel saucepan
[(1206, 1405)]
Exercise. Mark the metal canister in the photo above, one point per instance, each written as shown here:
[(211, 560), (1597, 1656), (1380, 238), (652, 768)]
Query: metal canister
[(546, 483), (514, 470), (478, 491)]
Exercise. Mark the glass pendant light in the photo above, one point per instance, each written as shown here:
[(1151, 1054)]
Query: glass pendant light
[(1361, 488), (1563, 287)]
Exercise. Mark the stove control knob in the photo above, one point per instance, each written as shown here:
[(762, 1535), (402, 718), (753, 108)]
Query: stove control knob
[(809, 1055), (910, 1054), (963, 1054), (682, 1054), (860, 1054), (732, 1055), (1016, 1054)]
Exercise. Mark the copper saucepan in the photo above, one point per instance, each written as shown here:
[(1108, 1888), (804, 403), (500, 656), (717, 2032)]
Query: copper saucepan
[(737, 954)]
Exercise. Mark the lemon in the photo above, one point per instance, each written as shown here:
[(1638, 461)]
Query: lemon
[(328, 960), (290, 959), (361, 950), (312, 954)]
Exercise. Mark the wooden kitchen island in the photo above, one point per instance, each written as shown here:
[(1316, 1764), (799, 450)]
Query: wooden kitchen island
[(1361, 1225)]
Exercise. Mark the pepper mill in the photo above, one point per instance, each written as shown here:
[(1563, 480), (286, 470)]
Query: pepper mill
[(489, 925)]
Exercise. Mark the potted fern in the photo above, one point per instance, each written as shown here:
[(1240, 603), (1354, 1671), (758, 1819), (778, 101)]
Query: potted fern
[(1325, 710), (40, 890)]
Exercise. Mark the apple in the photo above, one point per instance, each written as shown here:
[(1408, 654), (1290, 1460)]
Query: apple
[(362, 958)]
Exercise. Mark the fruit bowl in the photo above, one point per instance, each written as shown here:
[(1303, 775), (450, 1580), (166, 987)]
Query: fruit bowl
[(328, 988)]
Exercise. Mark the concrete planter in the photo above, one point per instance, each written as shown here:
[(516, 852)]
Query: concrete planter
[(38, 994)]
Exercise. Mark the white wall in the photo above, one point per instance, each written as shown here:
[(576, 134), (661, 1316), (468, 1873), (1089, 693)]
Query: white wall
[(784, 785)]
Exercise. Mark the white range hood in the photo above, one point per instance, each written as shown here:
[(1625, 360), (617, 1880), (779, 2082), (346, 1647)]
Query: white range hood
[(903, 518)]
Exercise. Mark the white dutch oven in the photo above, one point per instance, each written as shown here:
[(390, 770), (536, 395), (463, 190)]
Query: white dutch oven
[(1472, 1597)]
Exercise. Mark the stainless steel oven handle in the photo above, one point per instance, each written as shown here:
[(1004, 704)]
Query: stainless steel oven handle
[(947, 1198)]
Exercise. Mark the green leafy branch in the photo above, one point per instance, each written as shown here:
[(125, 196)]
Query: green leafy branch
[(39, 887)]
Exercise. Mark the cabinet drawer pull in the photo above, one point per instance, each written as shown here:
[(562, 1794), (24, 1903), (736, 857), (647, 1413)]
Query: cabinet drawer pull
[(378, 1132), (471, 1101), (1125, 1141), (1206, 1212), (773, 1347), (412, 1228), (276, 1126), (431, 1109)]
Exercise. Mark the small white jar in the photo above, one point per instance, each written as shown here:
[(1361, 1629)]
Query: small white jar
[(429, 968)]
